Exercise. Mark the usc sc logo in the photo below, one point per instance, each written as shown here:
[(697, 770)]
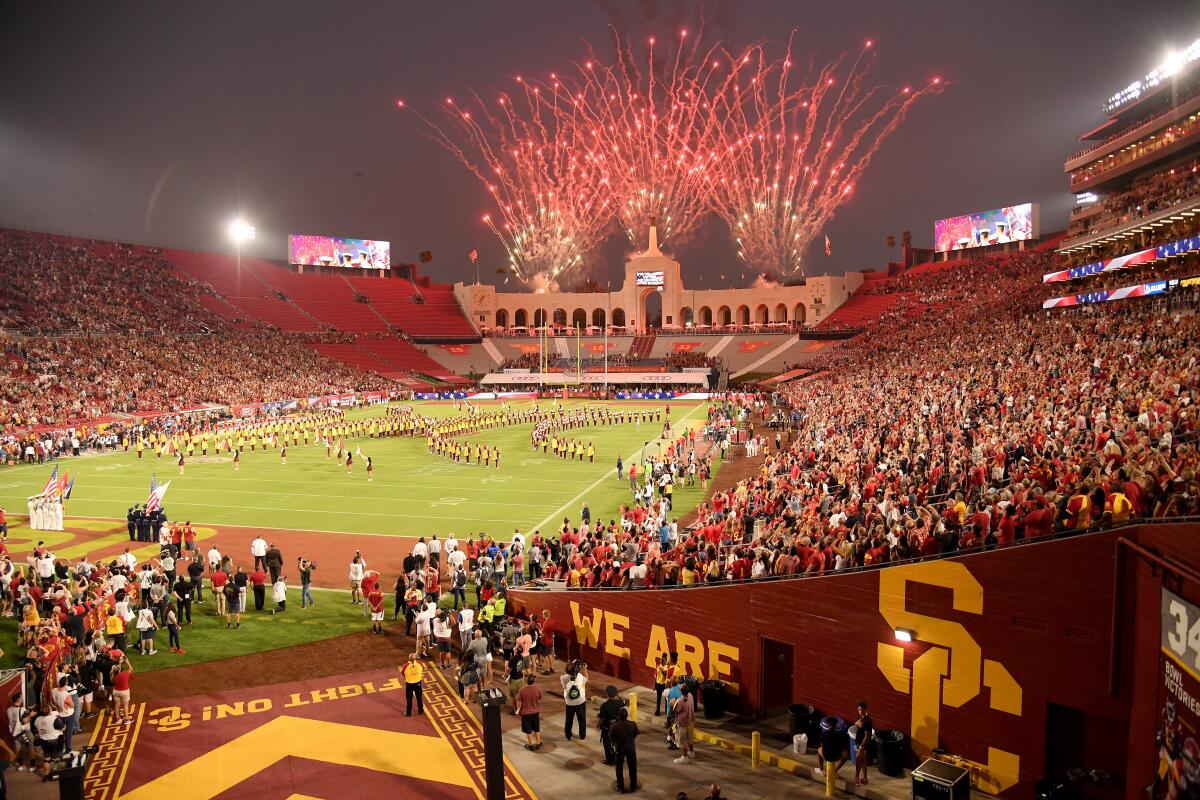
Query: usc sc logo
[(950, 672)]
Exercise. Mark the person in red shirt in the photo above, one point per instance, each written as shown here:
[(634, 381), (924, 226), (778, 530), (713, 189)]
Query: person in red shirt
[(122, 674), (258, 582), (375, 603), (219, 579), (741, 566), (1006, 531)]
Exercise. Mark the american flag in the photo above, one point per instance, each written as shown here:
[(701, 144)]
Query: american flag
[(154, 500), (473, 255), (51, 488)]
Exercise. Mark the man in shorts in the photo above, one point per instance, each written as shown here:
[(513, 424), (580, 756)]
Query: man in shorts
[(528, 705), (375, 601)]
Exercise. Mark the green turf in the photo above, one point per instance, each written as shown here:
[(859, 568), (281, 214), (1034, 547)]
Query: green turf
[(414, 493), (207, 639)]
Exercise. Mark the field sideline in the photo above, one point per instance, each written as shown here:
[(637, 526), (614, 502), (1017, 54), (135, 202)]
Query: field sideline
[(414, 493)]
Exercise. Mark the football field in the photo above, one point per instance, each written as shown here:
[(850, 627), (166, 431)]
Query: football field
[(414, 493)]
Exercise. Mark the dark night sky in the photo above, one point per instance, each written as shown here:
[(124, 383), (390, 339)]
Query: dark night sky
[(153, 122)]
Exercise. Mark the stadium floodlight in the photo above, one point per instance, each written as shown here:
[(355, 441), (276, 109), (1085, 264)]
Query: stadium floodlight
[(241, 231)]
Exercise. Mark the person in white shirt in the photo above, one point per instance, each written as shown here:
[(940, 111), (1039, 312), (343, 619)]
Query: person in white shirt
[(279, 595), (456, 558), (145, 626), (54, 511), (435, 553), (45, 566), (214, 558), (451, 543), (127, 560), (356, 576), (420, 551), (466, 626), (424, 619), (258, 549), (574, 685)]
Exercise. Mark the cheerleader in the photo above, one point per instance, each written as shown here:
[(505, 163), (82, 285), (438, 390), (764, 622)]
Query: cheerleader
[(370, 470), (283, 456), (180, 462), (349, 462), (237, 460)]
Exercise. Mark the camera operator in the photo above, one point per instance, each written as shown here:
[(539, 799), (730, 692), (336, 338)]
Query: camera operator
[(306, 568), (574, 685)]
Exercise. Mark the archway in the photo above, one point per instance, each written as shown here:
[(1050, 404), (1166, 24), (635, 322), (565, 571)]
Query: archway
[(579, 318), (743, 315), (560, 317), (800, 314), (705, 315), (652, 317), (685, 317), (501, 318), (760, 315), (618, 317), (520, 318), (724, 316), (598, 318), (539, 318)]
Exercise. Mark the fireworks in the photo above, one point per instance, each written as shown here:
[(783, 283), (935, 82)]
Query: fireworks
[(646, 123), (551, 209), (674, 133), (791, 155)]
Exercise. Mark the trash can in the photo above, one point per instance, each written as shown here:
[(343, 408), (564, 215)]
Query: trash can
[(833, 738), (800, 719), (891, 752), (714, 699)]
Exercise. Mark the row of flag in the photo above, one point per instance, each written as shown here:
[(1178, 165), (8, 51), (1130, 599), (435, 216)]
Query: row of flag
[(58, 487)]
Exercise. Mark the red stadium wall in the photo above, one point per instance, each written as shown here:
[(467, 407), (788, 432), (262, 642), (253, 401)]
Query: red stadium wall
[(1010, 664)]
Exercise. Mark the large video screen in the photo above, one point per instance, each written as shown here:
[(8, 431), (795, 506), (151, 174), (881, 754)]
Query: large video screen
[(984, 228), (650, 279), (334, 251)]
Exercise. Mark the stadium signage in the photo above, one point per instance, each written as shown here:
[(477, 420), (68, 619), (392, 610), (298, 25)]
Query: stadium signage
[(1124, 293), (985, 228), (1149, 255), (650, 278), (606, 631), (572, 378), (334, 251)]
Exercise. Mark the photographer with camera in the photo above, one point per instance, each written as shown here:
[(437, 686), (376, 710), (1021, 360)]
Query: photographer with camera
[(574, 686), (306, 568)]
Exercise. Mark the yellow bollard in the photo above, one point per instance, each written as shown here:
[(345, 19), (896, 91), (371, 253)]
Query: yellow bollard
[(830, 779), (633, 706), (755, 745)]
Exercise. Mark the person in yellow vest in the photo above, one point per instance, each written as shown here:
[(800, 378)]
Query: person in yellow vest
[(141, 445), (591, 453), (413, 673)]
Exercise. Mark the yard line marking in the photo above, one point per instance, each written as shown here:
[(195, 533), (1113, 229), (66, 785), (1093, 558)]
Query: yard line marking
[(606, 476)]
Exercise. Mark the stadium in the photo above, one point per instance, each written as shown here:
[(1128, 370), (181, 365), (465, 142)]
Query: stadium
[(628, 454)]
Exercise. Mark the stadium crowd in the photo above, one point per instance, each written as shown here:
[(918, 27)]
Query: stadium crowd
[(1146, 197)]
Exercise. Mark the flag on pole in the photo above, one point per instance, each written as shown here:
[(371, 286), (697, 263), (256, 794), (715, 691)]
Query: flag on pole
[(67, 492), (154, 501), (473, 255), (63, 482), (52, 483), (828, 246)]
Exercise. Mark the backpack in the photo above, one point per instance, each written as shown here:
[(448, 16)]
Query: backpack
[(573, 692)]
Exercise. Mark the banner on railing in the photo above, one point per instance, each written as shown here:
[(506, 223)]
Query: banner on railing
[(1124, 293), (1126, 261), (573, 379)]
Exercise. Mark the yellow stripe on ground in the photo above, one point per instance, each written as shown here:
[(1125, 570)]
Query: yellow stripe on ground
[(237, 761)]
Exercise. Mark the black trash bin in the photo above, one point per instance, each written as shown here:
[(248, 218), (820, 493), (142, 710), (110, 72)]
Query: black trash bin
[(714, 699), (800, 719), (891, 752), (833, 738)]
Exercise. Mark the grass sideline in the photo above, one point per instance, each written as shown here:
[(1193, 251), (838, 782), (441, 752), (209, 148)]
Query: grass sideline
[(414, 493)]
